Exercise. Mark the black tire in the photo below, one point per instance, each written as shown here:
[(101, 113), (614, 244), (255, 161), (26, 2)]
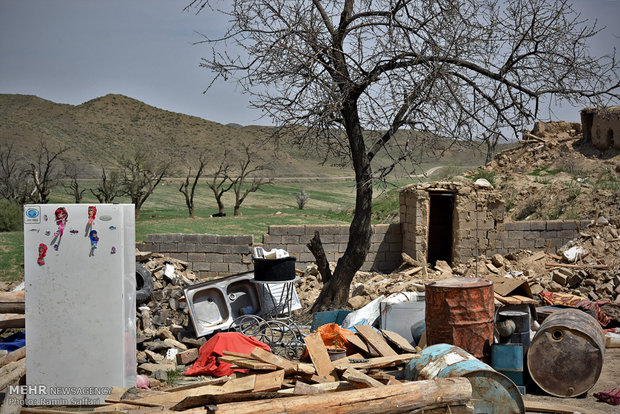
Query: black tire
[(144, 284)]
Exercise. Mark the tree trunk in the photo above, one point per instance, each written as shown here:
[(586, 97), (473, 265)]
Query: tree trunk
[(335, 293), (220, 205), (236, 210)]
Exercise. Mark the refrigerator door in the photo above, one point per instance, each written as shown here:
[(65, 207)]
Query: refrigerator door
[(79, 265)]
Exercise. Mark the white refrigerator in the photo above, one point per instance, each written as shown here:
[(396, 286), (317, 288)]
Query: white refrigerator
[(79, 265)]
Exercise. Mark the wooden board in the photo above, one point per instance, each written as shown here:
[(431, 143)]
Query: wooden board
[(248, 363), (398, 340), (202, 400), (12, 320), (549, 407), (360, 379), (237, 354), (305, 368), (280, 362), (379, 362), (211, 381), (375, 340), (507, 299), (525, 300), (269, 382), (358, 342), (320, 358)]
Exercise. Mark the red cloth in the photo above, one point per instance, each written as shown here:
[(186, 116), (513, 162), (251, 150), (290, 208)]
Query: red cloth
[(566, 299), (207, 362), (611, 396)]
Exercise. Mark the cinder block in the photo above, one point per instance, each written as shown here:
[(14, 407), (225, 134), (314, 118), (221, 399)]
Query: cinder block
[(231, 258), (305, 258), (155, 238), (296, 230), (291, 239), (241, 249), (219, 267), (189, 238), (169, 247), (531, 235), (538, 225), (342, 238), (527, 243), (246, 259), (238, 267), (214, 257), (173, 237), (277, 230), (187, 247), (200, 266), (570, 225), (295, 249), (554, 225), (197, 257), (178, 256)]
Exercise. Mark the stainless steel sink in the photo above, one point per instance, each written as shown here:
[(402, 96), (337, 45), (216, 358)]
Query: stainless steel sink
[(215, 304)]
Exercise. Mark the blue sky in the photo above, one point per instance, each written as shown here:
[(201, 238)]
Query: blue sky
[(72, 51)]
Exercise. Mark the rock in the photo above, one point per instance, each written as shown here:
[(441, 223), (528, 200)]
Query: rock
[(193, 342), (141, 357), (554, 287), (358, 290), (536, 289), (161, 375), (164, 333), (154, 346), (559, 278), (185, 357), (574, 280), (593, 296), (605, 289), (443, 267), (173, 343), (153, 357), (498, 260), (357, 302), (150, 368)]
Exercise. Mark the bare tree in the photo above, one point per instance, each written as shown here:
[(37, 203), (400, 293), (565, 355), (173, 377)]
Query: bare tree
[(42, 170), (247, 168), (140, 175), (13, 181), (109, 188), (72, 172), (220, 182), (349, 74), (185, 188)]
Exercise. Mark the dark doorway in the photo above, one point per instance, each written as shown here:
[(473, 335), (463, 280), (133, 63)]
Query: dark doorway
[(440, 227)]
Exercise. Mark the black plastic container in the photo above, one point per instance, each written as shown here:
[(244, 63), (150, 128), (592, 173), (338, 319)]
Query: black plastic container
[(274, 270)]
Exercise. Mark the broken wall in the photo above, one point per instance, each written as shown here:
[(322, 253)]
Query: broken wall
[(601, 126), (478, 223), (217, 255)]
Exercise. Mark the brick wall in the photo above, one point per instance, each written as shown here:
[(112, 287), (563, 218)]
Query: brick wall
[(536, 235), (217, 255)]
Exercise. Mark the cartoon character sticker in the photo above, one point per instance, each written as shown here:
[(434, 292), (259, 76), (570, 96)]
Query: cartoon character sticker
[(42, 253), (92, 213), (61, 220), (94, 239)]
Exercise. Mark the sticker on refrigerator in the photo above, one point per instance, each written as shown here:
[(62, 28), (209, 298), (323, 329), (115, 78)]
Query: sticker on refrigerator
[(94, 239), (92, 213), (32, 215), (61, 221), (42, 253)]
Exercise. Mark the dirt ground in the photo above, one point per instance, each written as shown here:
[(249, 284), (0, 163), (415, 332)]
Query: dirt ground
[(588, 404)]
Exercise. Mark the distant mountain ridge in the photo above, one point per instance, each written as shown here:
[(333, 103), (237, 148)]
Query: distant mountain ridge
[(101, 131)]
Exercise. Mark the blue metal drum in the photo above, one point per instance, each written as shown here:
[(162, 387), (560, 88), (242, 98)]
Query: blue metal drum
[(492, 392)]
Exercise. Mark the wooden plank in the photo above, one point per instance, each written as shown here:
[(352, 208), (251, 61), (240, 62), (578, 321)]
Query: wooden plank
[(14, 376), (398, 340), (239, 384), (577, 266), (375, 340), (12, 320), (13, 356), (115, 394), (248, 363), (237, 354), (269, 382), (379, 362), (507, 299), (525, 300), (358, 342), (211, 381), (400, 398), (278, 361), (305, 368), (320, 358), (411, 271), (385, 378), (20, 295), (360, 379), (549, 407), (202, 400)]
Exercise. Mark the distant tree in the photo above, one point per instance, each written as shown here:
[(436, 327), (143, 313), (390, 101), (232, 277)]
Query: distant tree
[(140, 175), (72, 172), (302, 198), (185, 187), (344, 76), (247, 168), (43, 173), (109, 187), (220, 182), (14, 185)]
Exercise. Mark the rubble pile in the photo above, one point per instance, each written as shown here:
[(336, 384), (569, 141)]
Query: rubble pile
[(555, 174), (594, 273), (164, 335)]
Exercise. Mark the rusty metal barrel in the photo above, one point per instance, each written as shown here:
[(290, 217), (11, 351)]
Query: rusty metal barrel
[(460, 311), (566, 356)]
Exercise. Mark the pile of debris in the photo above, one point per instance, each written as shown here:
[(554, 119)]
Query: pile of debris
[(273, 383), (587, 266), (165, 338)]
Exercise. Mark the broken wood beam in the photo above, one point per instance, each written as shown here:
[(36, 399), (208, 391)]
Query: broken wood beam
[(202, 400), (388, 399), (13, 356), (18, 371), (360, 379), (398, 340), (379, 362), (577, 266), (280, 362), (375, 340), (12, 320), (320, 358)]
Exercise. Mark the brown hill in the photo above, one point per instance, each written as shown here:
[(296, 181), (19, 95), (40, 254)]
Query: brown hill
[(101, 131)]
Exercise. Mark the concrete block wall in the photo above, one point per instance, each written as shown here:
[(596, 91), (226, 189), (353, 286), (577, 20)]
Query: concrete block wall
[(207, 254), (384, 253), (211, 255), (537, 235)]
